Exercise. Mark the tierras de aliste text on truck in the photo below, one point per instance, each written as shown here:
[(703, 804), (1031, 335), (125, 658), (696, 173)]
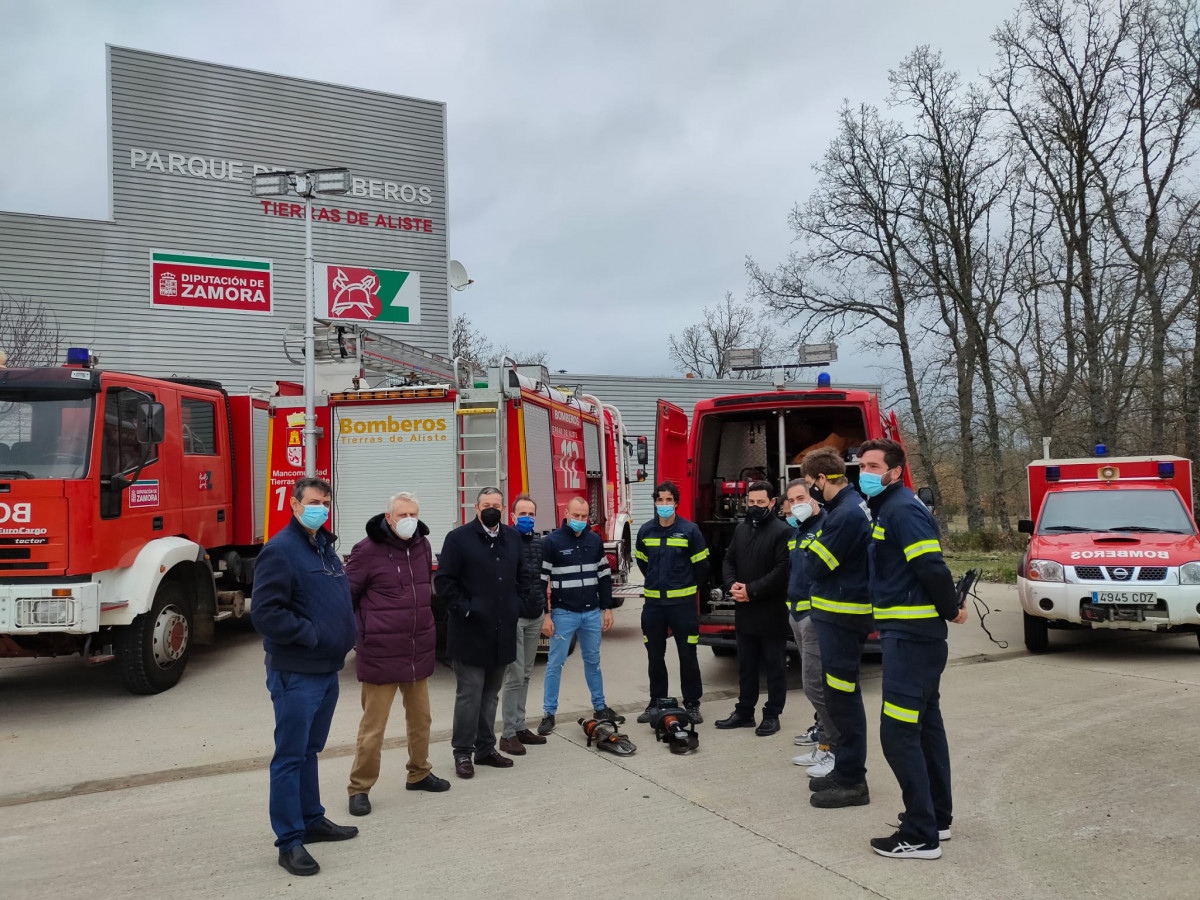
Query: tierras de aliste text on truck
[(132, 509)]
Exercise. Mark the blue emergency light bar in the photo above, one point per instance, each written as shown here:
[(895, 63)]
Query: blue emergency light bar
[(1101, 449), (823, 380), (79, 356), (1166, 470), (1053, 473)]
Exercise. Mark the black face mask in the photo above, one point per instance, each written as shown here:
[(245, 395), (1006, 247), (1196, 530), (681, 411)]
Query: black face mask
[(756, 514), (490, 517)]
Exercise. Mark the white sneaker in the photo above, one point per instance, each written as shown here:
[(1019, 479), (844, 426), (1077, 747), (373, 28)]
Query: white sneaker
[(823, 766), (811, 758), (809, 737)]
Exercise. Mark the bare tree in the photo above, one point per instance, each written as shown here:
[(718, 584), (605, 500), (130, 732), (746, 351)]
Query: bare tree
[(473, 345), (704, 348), (29, 333)]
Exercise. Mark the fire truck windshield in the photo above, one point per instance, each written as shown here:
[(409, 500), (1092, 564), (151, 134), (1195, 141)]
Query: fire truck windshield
[(45, 434), (1134, 511)]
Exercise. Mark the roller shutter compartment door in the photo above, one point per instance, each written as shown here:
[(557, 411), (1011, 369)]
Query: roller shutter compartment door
[(540, 461)]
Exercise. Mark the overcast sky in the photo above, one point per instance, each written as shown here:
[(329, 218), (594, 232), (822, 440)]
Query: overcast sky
[(611, 164)]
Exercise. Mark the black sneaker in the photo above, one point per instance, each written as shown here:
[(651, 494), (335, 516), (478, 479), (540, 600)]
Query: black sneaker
[(898, 848), (609, 714), (943, 833), (694, 713), (837, 797), (644, 718), (546, 725)]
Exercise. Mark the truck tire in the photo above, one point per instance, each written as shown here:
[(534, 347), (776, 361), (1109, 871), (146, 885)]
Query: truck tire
[(1037, 634), (153, 650)]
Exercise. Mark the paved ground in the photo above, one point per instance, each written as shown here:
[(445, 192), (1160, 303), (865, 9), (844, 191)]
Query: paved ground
[(1075, 777)]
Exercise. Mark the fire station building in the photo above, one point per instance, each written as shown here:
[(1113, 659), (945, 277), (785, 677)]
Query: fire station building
[(192, 275)]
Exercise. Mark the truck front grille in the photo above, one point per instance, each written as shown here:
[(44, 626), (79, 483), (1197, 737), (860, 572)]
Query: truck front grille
[(1152, 573), (1089, 573)]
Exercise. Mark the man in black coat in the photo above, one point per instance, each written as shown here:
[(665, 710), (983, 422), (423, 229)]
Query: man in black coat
[(756, 574), (479, 574)]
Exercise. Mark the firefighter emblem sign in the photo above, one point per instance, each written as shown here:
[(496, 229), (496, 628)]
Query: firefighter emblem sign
[(368, 294)]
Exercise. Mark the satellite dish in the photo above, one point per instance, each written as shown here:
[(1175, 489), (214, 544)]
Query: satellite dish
[(458, 276)]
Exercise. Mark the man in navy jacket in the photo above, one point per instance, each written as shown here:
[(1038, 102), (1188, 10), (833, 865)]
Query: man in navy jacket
[(480, 572), (576, 568), (301, 606)]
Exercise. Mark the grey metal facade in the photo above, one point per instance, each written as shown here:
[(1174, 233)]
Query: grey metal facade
[(212, 124), (637, 399)]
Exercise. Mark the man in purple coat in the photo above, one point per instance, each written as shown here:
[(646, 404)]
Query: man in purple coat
[(391, 573)]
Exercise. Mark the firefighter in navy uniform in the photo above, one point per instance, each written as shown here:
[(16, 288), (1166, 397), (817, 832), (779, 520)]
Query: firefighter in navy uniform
[(841, 609), (673, 558), (914, 595)]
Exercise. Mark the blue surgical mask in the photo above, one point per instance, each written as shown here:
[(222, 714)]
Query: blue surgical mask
[(314, 516), (576, 526), (525, 524), (870, 484), (792, 520), (665, 512)]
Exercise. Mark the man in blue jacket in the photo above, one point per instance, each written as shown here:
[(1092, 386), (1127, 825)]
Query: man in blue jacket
[(575, 566), (302, 608), (914, 596)]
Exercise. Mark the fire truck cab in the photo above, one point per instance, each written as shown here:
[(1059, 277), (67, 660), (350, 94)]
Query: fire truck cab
[(735, 440), (119, 512), (1113, 544)]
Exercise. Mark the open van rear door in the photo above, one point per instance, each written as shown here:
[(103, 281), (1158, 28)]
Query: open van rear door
[(671, 452)]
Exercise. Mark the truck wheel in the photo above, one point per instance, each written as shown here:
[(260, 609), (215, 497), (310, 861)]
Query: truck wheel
[(1037, 634), (153, 651), (724, 651)]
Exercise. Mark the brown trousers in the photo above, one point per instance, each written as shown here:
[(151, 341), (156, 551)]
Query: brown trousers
[(377, 705)]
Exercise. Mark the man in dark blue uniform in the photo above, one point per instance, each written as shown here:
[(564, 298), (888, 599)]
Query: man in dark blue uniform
[(671, 553), (837, 571), (913, 596)]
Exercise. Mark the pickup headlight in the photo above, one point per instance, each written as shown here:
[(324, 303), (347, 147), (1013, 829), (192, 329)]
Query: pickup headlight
[(1189, 573), (1044, 570)]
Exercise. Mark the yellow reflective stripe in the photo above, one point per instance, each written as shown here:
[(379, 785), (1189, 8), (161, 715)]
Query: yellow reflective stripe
[(693, 638), (682, 592), (677, 542), (642, 556), (828, 558), (703, 554), (804, 543), (802, 605), (900, 713), (792, 544), (837, 606), (645, 640), (652, 542), (877, 533), (906, 612), (912, 551), (649, 593), (838, 685)]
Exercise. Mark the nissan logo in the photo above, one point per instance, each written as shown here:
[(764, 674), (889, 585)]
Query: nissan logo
[(1120, 574)]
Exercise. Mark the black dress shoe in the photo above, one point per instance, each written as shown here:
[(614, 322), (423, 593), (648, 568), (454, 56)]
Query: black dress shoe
[(494, 759), (463, 767), (360, 805), (429, 783), (298, 862), (768, 726), (325, 830), (736, 720)]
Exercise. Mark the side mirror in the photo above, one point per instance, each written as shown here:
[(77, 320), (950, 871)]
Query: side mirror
[(151, 422), (643, 453), (1025, 526), (925, 495)]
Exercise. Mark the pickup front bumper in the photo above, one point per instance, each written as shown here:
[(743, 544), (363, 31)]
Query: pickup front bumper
[(1175, 606)]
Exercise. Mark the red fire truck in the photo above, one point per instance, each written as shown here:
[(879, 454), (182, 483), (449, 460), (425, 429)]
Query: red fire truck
[(132, 509), (735, 440), (1113, 545)]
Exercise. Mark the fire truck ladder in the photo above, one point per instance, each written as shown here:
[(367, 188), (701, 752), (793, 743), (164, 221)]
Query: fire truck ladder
[(481, 437), (380, 354)]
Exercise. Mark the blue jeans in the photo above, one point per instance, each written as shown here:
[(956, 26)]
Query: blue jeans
[(566, 625), (303, 710)]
